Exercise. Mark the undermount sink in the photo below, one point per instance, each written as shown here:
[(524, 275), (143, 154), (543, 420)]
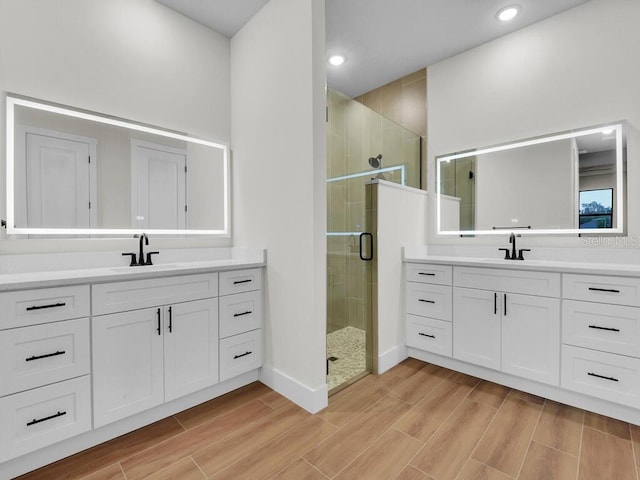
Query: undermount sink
[(149, 268)]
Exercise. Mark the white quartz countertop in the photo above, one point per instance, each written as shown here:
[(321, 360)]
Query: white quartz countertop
[(10, 281), (613, 269)]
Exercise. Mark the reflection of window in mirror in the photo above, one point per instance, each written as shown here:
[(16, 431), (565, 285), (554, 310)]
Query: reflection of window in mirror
[(596, 208)]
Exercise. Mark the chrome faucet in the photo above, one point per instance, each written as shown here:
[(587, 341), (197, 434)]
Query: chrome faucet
[(513, 255)]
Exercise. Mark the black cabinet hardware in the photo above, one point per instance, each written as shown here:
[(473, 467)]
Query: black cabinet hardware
[(495, 303), (170, 320), (50, 417), (238, 282), (38, 357), (40, 307), (610, 290), (369, 257), (505, 304), (426, 301), (158, 329), (426, 335), (241, 314), (608, 329), (602, 376), (242, 355), (428, 274)]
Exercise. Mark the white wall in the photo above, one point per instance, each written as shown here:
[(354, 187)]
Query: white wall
[(279, 185), (134, 59), (576, 69), (398, 207)]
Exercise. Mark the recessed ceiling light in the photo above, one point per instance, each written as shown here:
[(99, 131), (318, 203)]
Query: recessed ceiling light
[(508, 13), (337, 60)]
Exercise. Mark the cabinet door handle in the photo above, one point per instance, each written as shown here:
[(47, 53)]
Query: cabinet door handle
[(505, 304), (242, 355), (610, 290), (608, 329), (158, 329), (50, 417), (591, 374), (426, 335), (426, 301), (428, 274), (495, 303), (40, 307), (238, 282), (170, 320), (241, 314), (47, 355)]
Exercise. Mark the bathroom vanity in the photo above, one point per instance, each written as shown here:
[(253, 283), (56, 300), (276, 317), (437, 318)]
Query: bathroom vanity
[(564, 331), (89, 354)]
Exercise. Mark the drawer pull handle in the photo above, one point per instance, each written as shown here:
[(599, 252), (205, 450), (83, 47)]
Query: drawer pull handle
[(242, 355), (40, 307), (170, 320), (426, 335), (426, 301), (159, 321), (428, 274), (602, 376), (38, 357), (610, 290), (50, 417), (237, 282), (248, 312), (608, 329)]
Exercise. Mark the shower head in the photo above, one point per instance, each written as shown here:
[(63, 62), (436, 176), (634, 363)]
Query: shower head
[(376, 162)]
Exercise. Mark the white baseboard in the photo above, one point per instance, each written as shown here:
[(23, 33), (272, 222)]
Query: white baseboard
[(312, 400), (391, 358)]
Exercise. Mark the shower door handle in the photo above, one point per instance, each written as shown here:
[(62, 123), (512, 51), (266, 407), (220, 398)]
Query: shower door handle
[(370, 256)]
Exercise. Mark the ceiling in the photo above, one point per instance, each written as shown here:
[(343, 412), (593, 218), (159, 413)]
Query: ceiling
[(384, 40)]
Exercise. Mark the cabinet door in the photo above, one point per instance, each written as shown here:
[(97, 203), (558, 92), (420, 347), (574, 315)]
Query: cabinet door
[(191, 347), (531, 338), (476, 326), (127, 364)]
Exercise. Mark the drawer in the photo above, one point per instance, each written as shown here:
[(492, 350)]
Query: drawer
[(429, 300), (426, 273), (34, 356), (240, 313), (33, 307), (36, 418), (609, 328), (135, 294), (603, 375), (240, 353), (544, 284), (597, 288), (238, 281), (429, 334)]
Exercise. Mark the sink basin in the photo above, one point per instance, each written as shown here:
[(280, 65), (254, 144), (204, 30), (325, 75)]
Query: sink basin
[(148, 268)]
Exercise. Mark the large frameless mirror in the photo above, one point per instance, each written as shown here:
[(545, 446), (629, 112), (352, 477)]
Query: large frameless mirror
[(564, 183), (71, 172)]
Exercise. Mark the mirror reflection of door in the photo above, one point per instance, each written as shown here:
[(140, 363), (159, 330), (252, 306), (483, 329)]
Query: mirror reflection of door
[(57, 179), (158, 186)]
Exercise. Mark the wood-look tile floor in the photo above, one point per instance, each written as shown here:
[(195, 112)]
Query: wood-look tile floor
[(415, 422)]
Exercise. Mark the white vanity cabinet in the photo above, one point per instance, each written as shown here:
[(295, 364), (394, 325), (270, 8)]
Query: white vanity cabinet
[(428, 308), (497, 325), (601, 337), (143, 357), (240, 322), (45, 387)]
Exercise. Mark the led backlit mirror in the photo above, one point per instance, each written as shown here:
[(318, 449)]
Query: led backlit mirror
[(71, 172), (564, 183)]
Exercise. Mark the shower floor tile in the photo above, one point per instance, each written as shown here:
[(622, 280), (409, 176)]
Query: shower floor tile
[(348, 346)]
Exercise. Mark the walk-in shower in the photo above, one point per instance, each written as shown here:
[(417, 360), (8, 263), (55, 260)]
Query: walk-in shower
[(357, 141)]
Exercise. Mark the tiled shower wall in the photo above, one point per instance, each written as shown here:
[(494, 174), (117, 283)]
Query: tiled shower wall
[(354, 134)]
